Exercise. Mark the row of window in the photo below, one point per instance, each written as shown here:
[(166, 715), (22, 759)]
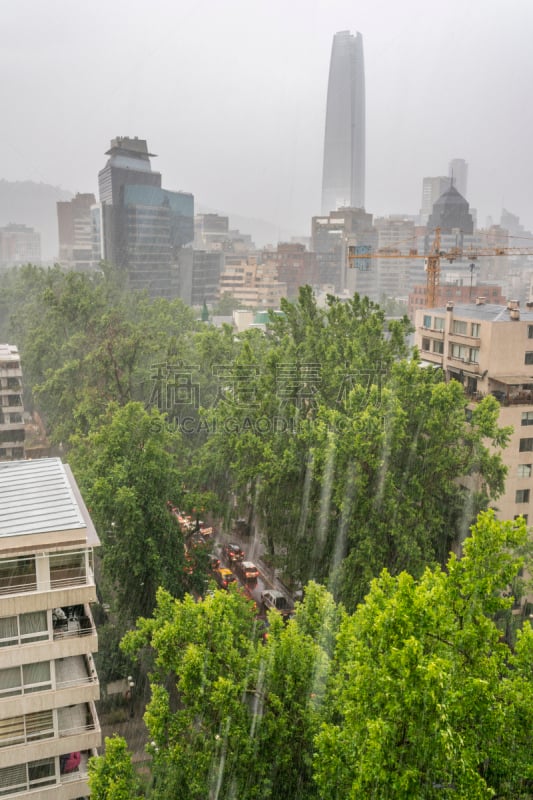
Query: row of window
[(23, 777), (463, 327), (458, 351), (20, 574)]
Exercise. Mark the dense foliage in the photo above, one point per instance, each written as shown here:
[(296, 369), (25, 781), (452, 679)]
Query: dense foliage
[(414, 695)]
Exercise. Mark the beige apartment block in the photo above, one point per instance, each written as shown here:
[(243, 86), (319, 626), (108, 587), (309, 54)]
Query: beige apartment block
[(48, 682), (11, 404), (489, 349), (252, 284)]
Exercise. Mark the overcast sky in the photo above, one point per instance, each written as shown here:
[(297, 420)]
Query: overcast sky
[(231, 95)]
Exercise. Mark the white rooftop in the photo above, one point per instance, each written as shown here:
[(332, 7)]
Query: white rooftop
[(37, 497)]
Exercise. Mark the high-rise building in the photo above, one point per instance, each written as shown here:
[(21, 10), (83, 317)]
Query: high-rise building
[(12, 433), (432, 189), (75, 234), (19, 244), (458, 173), (343, 178), (48, 722), (141, 227)]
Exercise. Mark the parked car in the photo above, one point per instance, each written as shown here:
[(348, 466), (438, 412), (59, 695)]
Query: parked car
[(224, 577), (232, 552), (247, 570), (273, 599)]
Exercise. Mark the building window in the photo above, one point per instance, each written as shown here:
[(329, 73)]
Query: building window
[(438, 347), (459, 326), (425, 344), (525, 446), (459, 351), (474, 355), (527, 417), (524, 471), (67, 569), (529, 358), (475, 329), (28, 728), (438, 323), (427, 321), (21, 777), (25, 679), (25, 628), (17, 575), (530, 331), (522, 496)]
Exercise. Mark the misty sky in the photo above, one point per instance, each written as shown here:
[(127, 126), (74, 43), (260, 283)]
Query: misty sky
[(231, 95)]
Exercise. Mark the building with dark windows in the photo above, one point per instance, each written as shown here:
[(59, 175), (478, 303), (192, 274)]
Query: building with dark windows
[(139, 226), (343, 178), (48, 682)]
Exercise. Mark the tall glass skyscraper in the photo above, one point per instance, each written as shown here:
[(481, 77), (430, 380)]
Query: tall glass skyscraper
[(343, 177)]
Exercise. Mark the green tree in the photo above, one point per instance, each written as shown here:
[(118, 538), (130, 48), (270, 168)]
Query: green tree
[(427, 701), (231, 715), (112, 775), (126, 470)]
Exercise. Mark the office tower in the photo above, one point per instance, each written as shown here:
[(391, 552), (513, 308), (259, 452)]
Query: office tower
[(331, 235), (141, 226), (75, 237), (12, 432), (451, 212), (48, 722), (432, 189), (19, 245), (458, 171), (343, 177)]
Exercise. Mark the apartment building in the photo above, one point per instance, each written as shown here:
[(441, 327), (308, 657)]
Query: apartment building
[(48, 682), (489, 349), (11, 405)]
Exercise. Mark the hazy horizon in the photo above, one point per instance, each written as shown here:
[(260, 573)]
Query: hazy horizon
[(232, 98)]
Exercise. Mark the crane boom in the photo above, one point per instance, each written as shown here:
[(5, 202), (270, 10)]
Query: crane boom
[(432, 259)]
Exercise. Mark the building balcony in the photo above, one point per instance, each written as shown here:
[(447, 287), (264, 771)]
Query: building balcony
[(77, 728), (24, 593), (464, 338), (76, 681), (54, 784)]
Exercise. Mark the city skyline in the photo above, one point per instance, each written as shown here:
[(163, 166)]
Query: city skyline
[(233, 99)]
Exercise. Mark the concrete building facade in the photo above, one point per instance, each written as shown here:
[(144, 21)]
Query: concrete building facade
[(75, 233), (12, 434), (489, 349), (19, 245), (48, 683)]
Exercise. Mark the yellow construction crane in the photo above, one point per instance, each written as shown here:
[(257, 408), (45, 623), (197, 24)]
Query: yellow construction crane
[(432, 259)]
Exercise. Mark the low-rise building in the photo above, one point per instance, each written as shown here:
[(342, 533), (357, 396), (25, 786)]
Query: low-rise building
[(48, 682), (489, 349)]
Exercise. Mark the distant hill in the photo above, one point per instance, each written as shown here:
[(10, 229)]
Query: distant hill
[(33, 204)]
